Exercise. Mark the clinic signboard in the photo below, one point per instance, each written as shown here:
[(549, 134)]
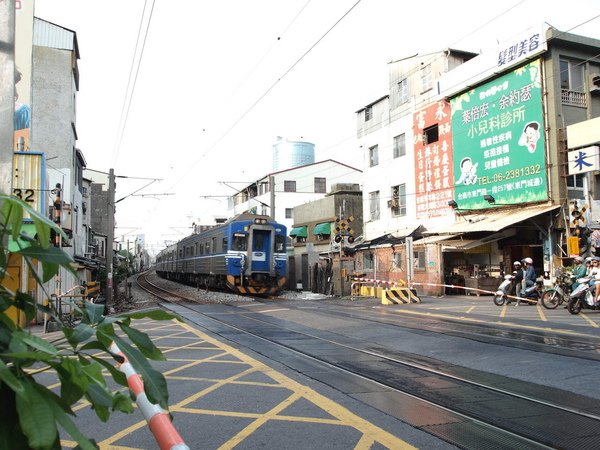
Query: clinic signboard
[(498, 141)]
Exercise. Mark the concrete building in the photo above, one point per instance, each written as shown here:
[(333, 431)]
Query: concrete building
[(492, 181), (55, 82), (322, 230), (278, 193)]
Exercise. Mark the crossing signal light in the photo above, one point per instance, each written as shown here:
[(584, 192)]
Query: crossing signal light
[(338, 238), (350, 239)]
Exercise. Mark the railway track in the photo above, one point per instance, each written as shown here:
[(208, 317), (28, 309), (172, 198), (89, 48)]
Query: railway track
[(467, 408), (145, 284)]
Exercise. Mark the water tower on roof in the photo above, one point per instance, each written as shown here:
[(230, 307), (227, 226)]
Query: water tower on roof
[(288, 154)]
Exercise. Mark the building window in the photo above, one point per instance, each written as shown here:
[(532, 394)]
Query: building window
[(397, 260), (288, 213), (403, 90), (419, 259), (398, 200), (373, 156), (431, 134), (572, 83), (320, 185), (571, 76), (368, 261), (575, 186), (575, 181), (400, 145), (263, 188), (374, 205), (368, 113), (426, 79), (289, 186)]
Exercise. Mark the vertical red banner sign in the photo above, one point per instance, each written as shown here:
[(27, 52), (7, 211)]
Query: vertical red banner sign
[(434, 185)]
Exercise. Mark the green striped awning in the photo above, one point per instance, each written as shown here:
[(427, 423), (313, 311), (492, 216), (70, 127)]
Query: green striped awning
[(26, 228), (322, 228), (299, 231)]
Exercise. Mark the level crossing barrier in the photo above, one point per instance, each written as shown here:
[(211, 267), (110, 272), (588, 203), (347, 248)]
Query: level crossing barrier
[(158, 419)]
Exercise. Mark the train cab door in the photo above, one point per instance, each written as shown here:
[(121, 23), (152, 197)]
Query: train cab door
[(261, 250)]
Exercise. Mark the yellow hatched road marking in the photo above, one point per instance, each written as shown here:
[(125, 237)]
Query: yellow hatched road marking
[(590, 321), (340, 416), (541, 312), (346, 417)]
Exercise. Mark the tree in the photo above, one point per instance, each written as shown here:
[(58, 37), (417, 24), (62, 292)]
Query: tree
[(30, 412)]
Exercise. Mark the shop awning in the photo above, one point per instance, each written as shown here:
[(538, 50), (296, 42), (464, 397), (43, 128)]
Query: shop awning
[(322, 228), (15, 246), (492, 221), (299, 231), (452, 242), (435, 239), (394, 238)]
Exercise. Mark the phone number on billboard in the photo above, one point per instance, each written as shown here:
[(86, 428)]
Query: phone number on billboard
[(512, 174)]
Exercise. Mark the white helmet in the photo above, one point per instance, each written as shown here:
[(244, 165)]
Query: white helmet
[(517, 263), (578, 258), (528, 261)]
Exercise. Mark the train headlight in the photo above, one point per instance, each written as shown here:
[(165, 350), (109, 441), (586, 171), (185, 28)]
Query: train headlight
[(260, 221)]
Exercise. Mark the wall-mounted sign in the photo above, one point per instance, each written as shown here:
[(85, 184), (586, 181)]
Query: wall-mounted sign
[(511, 53), (498, 141), (433, 160), (584, 160), (28, 182)]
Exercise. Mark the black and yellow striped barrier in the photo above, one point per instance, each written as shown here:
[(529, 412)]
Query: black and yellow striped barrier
[(399, 295)]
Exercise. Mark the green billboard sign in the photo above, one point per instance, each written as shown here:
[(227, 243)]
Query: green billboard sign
[(498, 141)]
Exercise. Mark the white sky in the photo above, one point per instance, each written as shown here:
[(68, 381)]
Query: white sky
[(203, 110)]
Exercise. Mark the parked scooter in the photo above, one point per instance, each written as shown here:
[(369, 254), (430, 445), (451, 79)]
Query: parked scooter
[(582, 297)]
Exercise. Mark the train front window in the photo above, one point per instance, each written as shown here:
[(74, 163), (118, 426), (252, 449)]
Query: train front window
[(279, 243), (258, 242), (240, 242)]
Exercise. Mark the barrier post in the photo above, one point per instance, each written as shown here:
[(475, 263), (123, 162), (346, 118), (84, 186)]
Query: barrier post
[(158, 419)]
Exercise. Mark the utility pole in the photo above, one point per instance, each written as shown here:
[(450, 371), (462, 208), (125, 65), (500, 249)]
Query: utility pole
[(7, 93), (110, 237), (272, 190)]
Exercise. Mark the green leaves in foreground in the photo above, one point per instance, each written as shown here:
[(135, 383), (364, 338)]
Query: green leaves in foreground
[(30, 413)]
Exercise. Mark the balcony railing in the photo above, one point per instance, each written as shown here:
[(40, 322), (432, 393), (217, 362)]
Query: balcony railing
[(573, 98)]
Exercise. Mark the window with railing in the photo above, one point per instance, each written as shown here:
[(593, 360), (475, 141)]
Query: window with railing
[(572, 83)]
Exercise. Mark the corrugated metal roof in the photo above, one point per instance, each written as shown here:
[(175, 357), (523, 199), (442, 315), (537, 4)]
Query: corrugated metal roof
[(492, 221), (47, 34), (434, 239)]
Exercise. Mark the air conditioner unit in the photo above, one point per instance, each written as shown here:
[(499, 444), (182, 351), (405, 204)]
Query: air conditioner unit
[(595, 83), (393, 203)]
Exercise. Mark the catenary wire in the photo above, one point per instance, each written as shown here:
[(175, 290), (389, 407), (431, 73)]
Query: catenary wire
[(263, 95), (133, 85)]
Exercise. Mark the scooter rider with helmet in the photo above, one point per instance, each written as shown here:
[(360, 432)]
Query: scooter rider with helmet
[(579, 270), (529, 278), (518, 273)]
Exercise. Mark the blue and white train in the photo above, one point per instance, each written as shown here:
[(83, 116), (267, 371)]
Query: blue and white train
[(246, 254)]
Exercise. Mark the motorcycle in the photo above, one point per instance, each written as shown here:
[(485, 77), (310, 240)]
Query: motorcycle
[(582, 297), (532, 294), (504, 290), (560, 292)]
